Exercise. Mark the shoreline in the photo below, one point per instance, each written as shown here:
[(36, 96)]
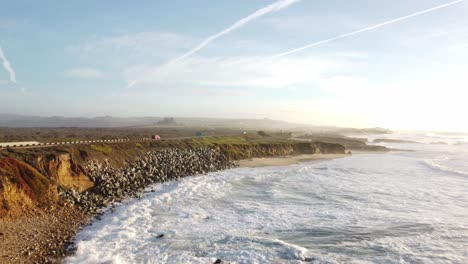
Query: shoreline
[(287, 160), (245, 163), (297, 159), (43, 237)]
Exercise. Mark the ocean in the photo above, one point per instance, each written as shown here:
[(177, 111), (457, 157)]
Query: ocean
[(397, 207)]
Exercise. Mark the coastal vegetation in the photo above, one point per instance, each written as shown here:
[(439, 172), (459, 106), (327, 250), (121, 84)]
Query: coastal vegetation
[(211, 141), (102, 148)]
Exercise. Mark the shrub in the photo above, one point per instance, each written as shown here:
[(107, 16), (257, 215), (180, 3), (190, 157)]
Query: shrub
[(106, 150), (262, 133)]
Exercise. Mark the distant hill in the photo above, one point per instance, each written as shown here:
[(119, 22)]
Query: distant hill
[(246, 124), (352, 131), (15, 121), (167, 121), (20, 121), (7, 120)]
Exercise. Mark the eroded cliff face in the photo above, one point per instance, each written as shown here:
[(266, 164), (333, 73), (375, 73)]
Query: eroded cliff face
[(22, 188), (65, 171), (248, 151), (32, 180)]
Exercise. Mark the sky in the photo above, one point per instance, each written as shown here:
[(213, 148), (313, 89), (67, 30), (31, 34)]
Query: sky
[(397, 64)]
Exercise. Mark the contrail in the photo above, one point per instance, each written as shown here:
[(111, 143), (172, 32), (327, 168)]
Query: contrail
[(315, 44), (7, 66), (274, 7)]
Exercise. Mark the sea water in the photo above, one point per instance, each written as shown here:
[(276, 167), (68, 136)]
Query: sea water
[(397, 207)]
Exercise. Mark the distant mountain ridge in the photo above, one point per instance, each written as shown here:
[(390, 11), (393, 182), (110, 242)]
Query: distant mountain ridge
[(20, 121), (16, 121)]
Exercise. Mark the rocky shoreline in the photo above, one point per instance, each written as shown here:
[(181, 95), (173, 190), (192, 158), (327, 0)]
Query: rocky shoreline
[(52, 233), (113, 185), (45, 199)]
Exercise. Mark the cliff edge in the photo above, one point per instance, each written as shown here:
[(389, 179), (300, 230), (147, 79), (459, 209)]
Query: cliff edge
[(73, 182)]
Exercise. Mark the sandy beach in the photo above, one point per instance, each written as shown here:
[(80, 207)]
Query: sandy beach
[(285, 161)]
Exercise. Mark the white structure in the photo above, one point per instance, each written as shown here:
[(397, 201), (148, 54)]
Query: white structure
[(35, 143), (19, 144)]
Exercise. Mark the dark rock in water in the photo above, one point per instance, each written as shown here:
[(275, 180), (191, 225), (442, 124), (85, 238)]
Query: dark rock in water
[(309, 259), (218, 261), (160, 236)]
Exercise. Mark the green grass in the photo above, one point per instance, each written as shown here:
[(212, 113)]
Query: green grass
[(238, 140), (106, 150), (209, 141)]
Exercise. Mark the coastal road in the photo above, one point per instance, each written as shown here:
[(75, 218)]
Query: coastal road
[(34, 144)]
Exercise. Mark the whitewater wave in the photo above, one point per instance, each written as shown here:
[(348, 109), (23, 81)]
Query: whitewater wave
[(370, 208), (427, 139), (434, 135), (435, 164), (274, 250), (451, 138)]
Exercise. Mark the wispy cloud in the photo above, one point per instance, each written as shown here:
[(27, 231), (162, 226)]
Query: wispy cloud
[(274, 7), (238, 72), (136, 45), (215, 91), (319, 43), (84, 73), (7, 66)]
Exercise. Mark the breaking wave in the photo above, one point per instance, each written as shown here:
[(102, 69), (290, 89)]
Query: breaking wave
[(382, 208), (436, 165)]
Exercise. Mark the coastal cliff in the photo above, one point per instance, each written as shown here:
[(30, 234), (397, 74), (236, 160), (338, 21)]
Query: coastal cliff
[(78, 180)]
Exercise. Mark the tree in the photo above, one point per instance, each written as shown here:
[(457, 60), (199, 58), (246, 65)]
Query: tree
[(262, 133)]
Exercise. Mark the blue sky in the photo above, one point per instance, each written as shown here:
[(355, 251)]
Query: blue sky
[(93, 58)]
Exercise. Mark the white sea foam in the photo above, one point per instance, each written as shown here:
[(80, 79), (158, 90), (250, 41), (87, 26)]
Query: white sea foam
[(437, 165), (382, 208), (426, 138), (449, 138)]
